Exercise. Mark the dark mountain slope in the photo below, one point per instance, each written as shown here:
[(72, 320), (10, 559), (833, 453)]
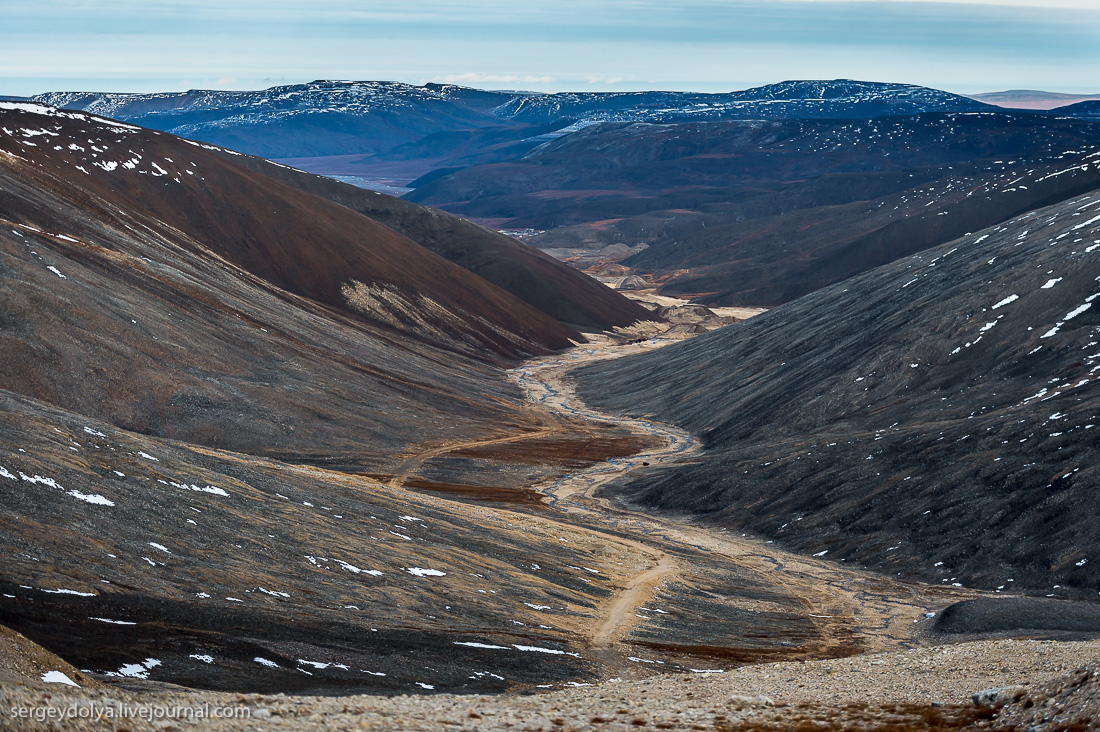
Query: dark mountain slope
[(1082, 110), (139, 557), (758, 213), (938, 417), (121, 303), (532, 276), (772, 259), (671, 164), (200, 200)]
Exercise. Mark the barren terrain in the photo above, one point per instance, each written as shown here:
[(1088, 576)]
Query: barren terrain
[(696, 628)]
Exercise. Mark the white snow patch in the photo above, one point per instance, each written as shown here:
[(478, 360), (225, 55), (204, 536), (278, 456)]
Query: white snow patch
[(273, 593), (1051, 283), (56, 677), (540, 649), (137, 670), (1006, 301), (40, 479), (356, 570), (421, 572), (1082, 225), (69, 592), (1077, 311)]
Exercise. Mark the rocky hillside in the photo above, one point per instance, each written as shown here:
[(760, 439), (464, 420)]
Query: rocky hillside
[(937, 417)]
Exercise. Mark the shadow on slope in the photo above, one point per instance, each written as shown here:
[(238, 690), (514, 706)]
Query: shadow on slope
[(937, 417)]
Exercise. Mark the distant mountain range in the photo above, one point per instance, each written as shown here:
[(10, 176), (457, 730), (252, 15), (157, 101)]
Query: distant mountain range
[(1031, 99), (937, 417), (329, 118), (746, 198)]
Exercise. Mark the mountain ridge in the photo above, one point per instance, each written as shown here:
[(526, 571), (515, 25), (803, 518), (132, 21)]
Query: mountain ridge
[(325, 118)]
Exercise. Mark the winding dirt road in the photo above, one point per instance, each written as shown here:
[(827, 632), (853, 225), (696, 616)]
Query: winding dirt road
[(850, 610), (881, 613)]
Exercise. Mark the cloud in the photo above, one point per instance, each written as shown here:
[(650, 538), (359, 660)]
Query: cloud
[(483, 78), (124, 45)]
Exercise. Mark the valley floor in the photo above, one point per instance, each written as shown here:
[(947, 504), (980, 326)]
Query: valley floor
[(703, 629)]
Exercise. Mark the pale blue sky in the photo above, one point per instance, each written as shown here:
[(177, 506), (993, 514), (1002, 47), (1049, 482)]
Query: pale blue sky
[(705, 45)]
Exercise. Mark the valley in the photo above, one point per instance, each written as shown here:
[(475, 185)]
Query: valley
[(810, 444), (790, 639)]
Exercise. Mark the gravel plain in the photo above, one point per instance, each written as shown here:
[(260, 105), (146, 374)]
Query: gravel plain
[(924, 688)]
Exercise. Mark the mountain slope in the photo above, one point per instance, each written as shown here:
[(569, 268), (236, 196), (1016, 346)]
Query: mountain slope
[(936, 417), (758, 213), (1082, 110), (196, 462), (536, 278), (129, 298), (835, 99), (294, 241)]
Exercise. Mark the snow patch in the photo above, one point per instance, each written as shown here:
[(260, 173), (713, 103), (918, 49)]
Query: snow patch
[(56, 677), (421, 572)]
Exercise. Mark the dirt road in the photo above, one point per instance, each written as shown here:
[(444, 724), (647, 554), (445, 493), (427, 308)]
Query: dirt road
[(850, 610), (844, 604)]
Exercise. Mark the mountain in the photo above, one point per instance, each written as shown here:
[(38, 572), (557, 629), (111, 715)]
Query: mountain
[(758, 213), (836, 99), (736, 258), (319, 118), (154, 284), (1030, 99), (361, 128), (530, 275), (934, 418), (213, 385), (1082, 110)]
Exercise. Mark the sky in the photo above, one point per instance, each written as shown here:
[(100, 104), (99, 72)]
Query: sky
[(547, 45)]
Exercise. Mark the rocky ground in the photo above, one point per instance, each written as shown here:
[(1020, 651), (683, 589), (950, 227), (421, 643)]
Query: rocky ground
[(1049, 687)]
